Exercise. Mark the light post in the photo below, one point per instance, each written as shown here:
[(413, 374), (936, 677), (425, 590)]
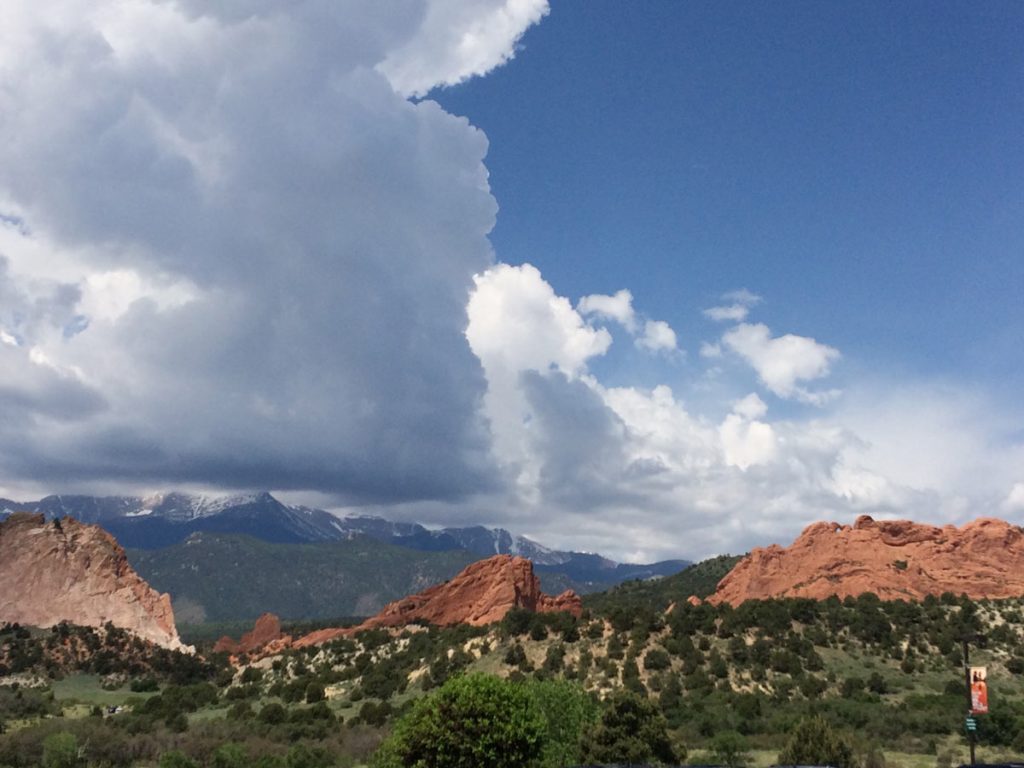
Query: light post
[(971, 732), (973, 708)]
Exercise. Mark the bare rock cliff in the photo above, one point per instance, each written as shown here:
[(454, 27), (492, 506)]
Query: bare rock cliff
[(68, 571), (896, 560), (481, 594)]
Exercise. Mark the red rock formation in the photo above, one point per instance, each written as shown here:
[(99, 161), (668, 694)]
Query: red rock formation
[(895, 560), (68, 571), (265, 632), (694, 600), (481, 594)]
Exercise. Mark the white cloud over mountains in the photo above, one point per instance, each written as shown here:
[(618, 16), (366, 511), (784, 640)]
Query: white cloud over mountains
[(575, 449), (586, 462), (234, 254)]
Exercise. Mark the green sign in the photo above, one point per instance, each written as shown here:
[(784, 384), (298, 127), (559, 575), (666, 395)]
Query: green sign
[(971, 723)]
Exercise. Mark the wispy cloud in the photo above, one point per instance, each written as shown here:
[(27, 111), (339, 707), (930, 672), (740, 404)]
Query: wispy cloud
[(736, 310)]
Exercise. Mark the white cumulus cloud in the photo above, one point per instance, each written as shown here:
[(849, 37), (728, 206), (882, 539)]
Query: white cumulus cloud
[(658, 336), (650, 335), (233, 254), (517, 322), (1014, 501), (458, 39), (781, 362), (617, 307), (587, 462)]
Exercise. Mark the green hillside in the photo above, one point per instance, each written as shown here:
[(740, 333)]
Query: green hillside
[(729, 684), (699, 579), (230, 577)]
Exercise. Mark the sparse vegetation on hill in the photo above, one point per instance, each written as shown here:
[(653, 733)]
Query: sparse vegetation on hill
[(106, 651), (720, 683), (699, 579)]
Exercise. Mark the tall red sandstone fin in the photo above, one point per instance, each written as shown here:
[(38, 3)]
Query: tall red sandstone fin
[(69, 571), (266, 631), (894, 559), (481, 594)]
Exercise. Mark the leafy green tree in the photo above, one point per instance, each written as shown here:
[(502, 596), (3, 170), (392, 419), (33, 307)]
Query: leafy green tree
[(60, 750), (314, 693), (615, 647), (230, 756), (554, 660), (176, 759), (814, 742), (517, 621), (738, 650), (671, 694), (273, 714), (850, 687), (717, 666), (730, 748), (656, 659), (375, 714), (877, 684), (516, 655), (538, 631), (567, 711), (631, 676), (144, 685), (472, 720), (177, 722), (631, 730), (303, 756)]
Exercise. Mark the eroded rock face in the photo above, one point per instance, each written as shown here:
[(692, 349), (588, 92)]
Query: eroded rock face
[(68, 571), (265, 633), (481, 594), (895, 560)]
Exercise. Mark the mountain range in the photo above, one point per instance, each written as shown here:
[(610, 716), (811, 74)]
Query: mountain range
[(168, 520), (219, 577)]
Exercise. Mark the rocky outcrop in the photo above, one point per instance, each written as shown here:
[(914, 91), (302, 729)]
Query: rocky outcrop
[(265, 633), (896, 560), (68, 571), (481, 594)]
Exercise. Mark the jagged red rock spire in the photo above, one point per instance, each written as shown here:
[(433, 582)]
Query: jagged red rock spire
[(481, 594), (266, 631), (65, 570), (894, 559)]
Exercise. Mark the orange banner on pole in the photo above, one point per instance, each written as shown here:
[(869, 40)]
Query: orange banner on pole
[(979, 691)]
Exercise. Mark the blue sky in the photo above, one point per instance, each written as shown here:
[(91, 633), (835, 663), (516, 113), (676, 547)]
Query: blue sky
[(653, 279), (860, 165)]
